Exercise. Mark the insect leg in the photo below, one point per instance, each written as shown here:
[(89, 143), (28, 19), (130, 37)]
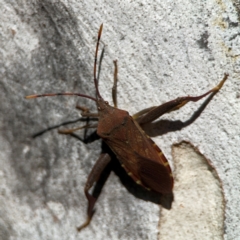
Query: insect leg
[(114, 88), (139, 114), (86, 113), (99, 174), (82, 109), (150, 114), (72, 130)]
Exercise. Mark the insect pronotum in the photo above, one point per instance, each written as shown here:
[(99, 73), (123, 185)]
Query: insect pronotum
[(141, 158)]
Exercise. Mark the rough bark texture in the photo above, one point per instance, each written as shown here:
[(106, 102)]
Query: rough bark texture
[(164, 49)]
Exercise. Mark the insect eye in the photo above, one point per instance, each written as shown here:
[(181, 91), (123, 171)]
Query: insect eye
[(106, 102)]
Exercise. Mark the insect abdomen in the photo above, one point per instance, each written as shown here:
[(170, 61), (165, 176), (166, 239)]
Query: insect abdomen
[(139, 155)]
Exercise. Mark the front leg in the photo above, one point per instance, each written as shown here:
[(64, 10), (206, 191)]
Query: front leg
[(85, 113), (99, 174), (114, 88)]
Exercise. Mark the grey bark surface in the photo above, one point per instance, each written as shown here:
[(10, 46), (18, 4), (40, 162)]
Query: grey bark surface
[(164, 50)]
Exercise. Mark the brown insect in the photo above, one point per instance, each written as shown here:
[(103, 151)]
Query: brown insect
[(141, 158)]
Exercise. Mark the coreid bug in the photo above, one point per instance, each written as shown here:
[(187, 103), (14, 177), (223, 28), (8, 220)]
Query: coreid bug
[(141, 158)]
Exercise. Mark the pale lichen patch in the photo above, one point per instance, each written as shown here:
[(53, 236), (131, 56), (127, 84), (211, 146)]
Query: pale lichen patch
[(198, 208)]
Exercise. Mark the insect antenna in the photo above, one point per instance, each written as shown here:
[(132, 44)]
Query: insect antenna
[(95, 62), (60, 94), (78, 94)]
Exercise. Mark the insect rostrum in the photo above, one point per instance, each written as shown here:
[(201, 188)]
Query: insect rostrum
[(141, 158)]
